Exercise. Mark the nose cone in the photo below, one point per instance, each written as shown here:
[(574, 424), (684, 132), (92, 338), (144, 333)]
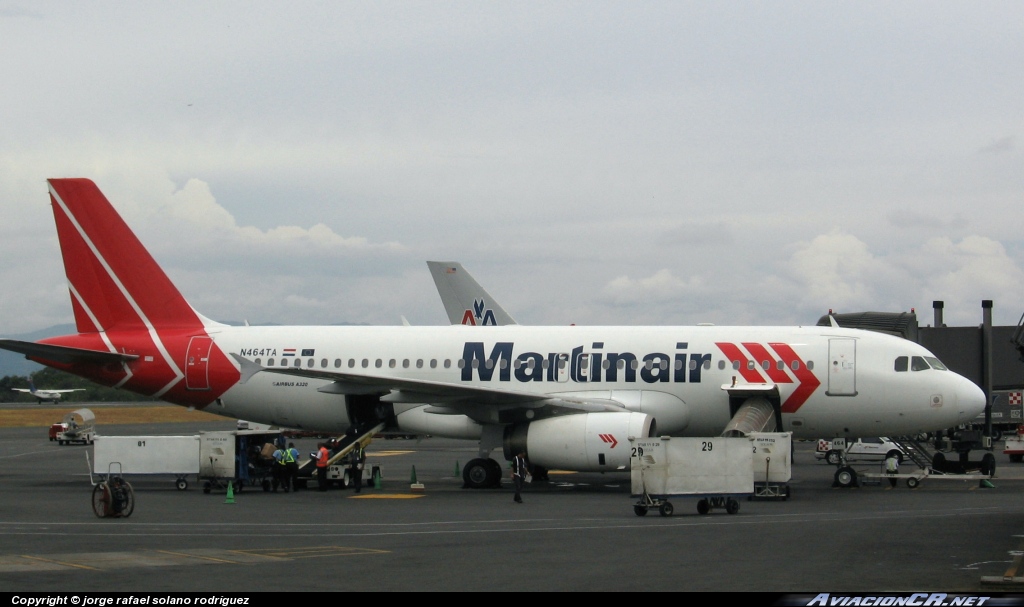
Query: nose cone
[(970, 400)]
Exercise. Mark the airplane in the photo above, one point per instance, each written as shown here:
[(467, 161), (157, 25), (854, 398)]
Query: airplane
[(571, 397), (465, 301), (45, 395)]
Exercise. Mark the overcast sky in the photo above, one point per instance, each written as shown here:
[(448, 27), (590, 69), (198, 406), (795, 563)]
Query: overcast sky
[(589, 162)]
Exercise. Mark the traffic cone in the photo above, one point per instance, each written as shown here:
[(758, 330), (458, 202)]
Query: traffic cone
[(415, 486), (456, 468), (413, 479), (986, 484), (230, 499), (376, 478)]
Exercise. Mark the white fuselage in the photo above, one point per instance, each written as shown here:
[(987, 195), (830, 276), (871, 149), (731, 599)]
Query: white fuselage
[(830, 381)]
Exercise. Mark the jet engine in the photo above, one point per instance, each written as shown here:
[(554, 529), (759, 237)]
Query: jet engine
[(585, 442)]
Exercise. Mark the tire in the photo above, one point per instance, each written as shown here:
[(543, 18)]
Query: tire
[(703, 507), (846, 477), (62, 443), (732, 506), (833, 457), (181, 484), (939, 462), (988, 464), (913, 483), (1017, 457), (997, 435), (478, 474), (640, 510), (666, 509), (101, 500), (130, 504)]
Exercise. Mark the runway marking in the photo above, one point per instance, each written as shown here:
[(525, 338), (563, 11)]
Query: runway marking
[(45, 560), (385, 496), (1014, 567), (387, 453), (109, 561)]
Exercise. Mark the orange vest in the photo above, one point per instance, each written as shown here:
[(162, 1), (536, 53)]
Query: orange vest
[(321, 462)]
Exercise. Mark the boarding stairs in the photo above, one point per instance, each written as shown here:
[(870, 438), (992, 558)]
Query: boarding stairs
[(342, 446), (914, 450)]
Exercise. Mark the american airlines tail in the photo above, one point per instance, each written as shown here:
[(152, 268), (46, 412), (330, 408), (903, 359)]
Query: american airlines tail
[(465, 301)]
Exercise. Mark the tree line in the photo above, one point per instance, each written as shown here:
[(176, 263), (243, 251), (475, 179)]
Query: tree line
[(53, 379)]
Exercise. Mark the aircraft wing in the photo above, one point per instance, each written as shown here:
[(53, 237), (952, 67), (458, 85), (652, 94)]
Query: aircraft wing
[(63, 354), (475, 401)]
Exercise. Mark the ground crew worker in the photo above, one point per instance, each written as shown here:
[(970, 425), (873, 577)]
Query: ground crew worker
[(279, 472), (357, 458), (292, 464), (519, 472), (892, 466), (321, 466)]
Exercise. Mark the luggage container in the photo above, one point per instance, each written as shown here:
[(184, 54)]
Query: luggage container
[(240, 457), (772, 455), (714, 470), (77, 427), (176, 456)]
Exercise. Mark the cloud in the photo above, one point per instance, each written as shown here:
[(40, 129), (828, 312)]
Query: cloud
[(659, 287), (999, 146)]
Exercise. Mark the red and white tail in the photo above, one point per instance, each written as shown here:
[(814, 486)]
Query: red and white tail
[(115, 283)]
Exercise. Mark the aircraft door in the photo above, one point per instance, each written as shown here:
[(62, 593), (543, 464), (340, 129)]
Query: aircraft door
[(842, 367), (197, 363)]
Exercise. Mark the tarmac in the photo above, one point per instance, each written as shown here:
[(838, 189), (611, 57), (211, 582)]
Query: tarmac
[(577, 532)]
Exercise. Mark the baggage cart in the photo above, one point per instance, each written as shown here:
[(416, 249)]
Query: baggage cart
[(77, 427), (240, 457), (772, 455), (715, 470), (176, 456)]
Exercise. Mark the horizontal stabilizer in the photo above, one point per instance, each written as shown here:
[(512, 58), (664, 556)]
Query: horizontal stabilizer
[(64, 354)]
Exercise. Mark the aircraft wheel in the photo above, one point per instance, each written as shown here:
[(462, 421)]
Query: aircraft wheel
[(833, 457), (640, 510), (478, 473), (846, 477), (181, 484), (666, 509), (913, 482), (703, 507), (732, 506)]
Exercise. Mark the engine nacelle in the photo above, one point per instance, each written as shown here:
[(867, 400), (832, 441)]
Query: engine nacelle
[(419, 420), (585, 442)]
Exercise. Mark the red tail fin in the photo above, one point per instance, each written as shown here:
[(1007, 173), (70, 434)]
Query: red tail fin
[(115, 283)]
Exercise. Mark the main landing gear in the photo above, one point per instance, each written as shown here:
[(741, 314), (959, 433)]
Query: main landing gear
[(482, 473)]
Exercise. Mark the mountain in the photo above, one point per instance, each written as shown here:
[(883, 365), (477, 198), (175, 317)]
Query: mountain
[(12, 363)]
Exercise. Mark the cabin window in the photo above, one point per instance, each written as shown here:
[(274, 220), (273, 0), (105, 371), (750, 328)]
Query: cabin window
[(351, 363), (433, 363), (419, 363), (337, 363), (707, 364), (795, 365), (735, 365), (461, 364), (257, 361), (780, 365), (721, 365), (765, 364), (366, 363), (810, 365), (918, 363), (488, 363), (544, 364), (378, 363), (503, 364), (634, 364), (298, 363), (448, 363), (323, 363), (392, 364), (310, 362), (405, 363), (750, 365), (902, 363)]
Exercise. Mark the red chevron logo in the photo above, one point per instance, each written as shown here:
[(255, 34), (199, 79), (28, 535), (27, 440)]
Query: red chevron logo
[(610, 439), (762, 360)]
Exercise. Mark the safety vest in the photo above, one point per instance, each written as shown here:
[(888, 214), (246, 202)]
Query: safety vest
[(321, 460), (287, 457)]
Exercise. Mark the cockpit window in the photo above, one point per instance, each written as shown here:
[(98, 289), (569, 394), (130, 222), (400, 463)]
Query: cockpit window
[(936, 363), (918, 363), (902, 363)]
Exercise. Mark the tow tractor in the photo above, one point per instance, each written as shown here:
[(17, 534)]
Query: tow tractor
[(1014, 445), (78, 427)]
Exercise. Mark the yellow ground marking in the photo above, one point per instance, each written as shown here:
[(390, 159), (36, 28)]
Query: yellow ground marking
[(313, 552), (387, 453), (195, 556), (27, 417), (385, 496), (55, 562), (561, 472)]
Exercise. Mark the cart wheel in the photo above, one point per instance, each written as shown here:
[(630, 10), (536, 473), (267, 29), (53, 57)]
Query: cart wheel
[(101, 500), (703, 507), (129, 505), (182, 484), (666, 509), (207, 487), (913, 482), (640, 510), (732, 506)]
